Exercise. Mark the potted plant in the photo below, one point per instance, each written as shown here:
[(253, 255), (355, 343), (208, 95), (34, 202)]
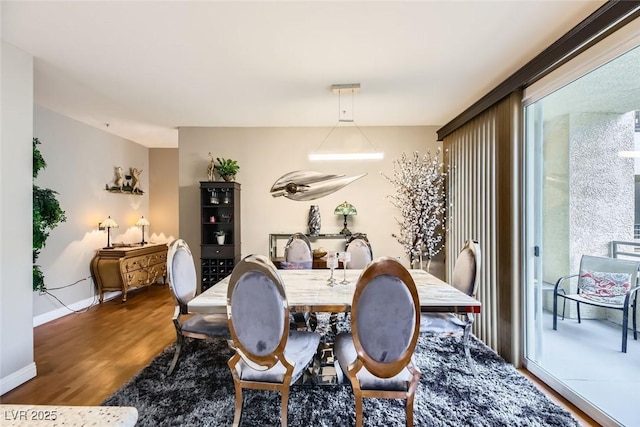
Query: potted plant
[(220, 234), (47, 214), (227, 168)]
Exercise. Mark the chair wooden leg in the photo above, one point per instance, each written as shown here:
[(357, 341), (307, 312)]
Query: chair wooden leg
[(284, 406), (409, 410), (176, 356), (359, 414), (238, 413)]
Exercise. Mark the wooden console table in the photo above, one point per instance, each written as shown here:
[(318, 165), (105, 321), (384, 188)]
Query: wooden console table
[(122, 269)]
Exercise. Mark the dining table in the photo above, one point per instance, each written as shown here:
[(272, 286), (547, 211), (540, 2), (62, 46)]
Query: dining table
[(309, 291)]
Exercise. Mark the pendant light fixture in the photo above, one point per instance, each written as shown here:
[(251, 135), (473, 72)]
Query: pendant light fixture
[(346, 141)]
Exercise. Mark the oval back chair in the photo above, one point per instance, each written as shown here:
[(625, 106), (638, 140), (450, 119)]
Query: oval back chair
[(360, 249), (297, 253), (385, 324), (183, 282), (267, 355), (466, 276)]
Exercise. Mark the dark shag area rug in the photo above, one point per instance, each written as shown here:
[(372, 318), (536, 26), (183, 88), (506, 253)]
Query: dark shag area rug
[(200, 393)]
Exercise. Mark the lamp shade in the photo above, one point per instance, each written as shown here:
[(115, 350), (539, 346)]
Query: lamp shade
[(108, 223), (345, 208), (142, 222)]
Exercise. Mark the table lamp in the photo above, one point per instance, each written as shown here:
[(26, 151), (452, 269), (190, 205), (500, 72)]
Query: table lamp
[(345, 209), (108, 224), (142, 222)]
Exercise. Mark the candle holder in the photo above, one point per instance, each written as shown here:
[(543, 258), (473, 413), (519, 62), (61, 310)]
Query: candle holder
[(345, 257), (332, 263)]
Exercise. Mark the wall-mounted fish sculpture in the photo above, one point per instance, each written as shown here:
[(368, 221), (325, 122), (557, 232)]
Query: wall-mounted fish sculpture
[(309, 185)]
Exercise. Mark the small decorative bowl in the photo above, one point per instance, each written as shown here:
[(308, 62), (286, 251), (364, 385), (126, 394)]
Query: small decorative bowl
[(318, 253)]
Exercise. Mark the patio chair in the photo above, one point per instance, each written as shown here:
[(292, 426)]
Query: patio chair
[(385, 323), (603, 282), (268, 356), (360, 249), (466, 276), (183, 283)]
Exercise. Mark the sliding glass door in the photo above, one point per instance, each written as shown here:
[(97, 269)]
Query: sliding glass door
[(582, 163)]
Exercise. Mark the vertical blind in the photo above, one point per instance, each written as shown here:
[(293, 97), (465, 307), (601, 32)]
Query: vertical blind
[(481, 188)]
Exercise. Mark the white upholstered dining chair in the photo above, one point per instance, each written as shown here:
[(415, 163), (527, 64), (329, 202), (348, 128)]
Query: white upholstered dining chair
[(466, 276), (297, 253), (360, 249), (183, 283), (385, 323), (298, 256), (268, 356)]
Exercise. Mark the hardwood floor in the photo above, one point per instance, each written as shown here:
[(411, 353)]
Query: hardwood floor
[(83, 358)]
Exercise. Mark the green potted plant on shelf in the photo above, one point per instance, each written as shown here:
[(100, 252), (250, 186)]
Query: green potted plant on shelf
[(220, 235), (227, 168)]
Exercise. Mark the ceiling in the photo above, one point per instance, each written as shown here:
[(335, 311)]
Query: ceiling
[(145, 68)]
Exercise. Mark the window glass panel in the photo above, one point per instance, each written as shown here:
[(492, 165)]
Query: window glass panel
[(583, 193)]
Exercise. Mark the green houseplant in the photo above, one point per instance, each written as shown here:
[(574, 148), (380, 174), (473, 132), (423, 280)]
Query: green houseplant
[(220, 236), (227, 168), (47, 214)]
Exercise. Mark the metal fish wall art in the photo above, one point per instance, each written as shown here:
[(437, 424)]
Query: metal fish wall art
[(310, 185)]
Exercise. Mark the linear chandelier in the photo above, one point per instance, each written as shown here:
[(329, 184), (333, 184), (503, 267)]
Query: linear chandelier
[(342, 146)]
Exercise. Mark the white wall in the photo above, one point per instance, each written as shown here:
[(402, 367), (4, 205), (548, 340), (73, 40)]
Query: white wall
[(16, 334), (80, 162), (265, 154)]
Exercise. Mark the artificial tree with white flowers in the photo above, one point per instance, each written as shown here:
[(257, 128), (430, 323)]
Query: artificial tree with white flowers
[(420, 197)]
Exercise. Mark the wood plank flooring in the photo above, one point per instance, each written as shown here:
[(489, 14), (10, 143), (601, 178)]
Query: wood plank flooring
[(83, 358)]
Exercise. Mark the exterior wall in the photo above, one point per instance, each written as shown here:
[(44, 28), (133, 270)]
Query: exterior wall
[(555, 220), (597, 204)]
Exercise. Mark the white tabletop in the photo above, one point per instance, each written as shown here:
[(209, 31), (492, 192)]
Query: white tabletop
[(307, 290)]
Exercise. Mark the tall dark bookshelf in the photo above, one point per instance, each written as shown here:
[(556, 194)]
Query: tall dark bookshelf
[(219, 211)]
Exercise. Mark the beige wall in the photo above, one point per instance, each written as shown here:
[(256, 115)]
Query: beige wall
[(265, 154), (163, 193), (80, 162)]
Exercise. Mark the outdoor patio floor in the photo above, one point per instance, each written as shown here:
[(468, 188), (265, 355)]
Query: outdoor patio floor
[(587, 358)]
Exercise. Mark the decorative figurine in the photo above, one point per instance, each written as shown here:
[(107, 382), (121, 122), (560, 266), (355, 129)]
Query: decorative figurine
[(211, 168), (119, 181), (135, 180)]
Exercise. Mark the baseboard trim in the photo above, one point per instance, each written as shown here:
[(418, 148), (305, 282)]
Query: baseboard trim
[(63, 311), (17, 378)]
